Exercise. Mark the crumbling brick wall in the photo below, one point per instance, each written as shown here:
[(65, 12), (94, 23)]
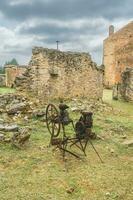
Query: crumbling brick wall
[(11, 72), (53, 74), (117, 54), (124, 56)]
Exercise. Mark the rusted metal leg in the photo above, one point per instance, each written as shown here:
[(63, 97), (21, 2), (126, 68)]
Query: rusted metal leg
[(64, 148), (74, 143), (63, 128), (64, 142), (95, 150), (50, 143), (71, 153), (83, 147)]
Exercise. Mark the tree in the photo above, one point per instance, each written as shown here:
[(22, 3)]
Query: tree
[(12, 62), (2, 70)]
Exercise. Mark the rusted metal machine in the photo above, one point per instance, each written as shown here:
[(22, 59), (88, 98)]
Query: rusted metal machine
[(57, 119)]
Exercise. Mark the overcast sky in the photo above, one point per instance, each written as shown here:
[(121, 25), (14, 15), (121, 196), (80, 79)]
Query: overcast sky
[(80, 25)]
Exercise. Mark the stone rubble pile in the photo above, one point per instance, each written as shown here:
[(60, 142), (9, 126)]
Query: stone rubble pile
[(77, 105), (21, 137), (13, 134), (15, 105)]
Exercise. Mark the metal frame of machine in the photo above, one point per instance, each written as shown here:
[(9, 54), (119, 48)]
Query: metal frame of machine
[(57, 119)]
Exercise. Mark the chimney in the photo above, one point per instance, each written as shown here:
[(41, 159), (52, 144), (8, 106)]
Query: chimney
[(111, 30)]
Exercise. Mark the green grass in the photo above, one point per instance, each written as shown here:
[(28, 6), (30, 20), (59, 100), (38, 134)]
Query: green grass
[(5, 90), (122, 105), (38, 172)]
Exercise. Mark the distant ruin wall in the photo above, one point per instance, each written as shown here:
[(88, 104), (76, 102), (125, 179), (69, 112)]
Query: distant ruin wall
[(11, 72), (124, 90), (126, 87), (2, 80), (53, 74)]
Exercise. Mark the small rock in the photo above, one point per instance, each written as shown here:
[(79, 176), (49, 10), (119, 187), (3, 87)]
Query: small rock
[(100, 137), (1, 121), (16, 108), (9, 128), (107, 194), (2, 110), (128, 143), (75, 109), (26, 118), (74, 99), (112, 150), (21, 137), (2, 127), (31, 103), (70, 190), (7, 140), (39, 113), (2, 137), (123, 136), (14, 118)]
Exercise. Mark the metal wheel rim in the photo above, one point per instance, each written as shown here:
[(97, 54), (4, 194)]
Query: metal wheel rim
[(51, 113)]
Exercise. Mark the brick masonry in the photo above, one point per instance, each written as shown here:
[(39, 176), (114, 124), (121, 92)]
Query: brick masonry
[(117, 54)]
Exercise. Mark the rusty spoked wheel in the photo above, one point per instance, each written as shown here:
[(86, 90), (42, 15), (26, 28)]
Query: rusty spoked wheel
[(52, 120)]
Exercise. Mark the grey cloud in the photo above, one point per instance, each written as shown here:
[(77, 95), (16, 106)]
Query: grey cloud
[(21, 54), (61, 10), (55, 29), (16, 49), (67, 9), (50, 33)]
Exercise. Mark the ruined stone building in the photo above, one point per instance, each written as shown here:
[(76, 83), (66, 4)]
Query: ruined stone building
[(2, 80), (11, 72), (117, 53), (53, 74)]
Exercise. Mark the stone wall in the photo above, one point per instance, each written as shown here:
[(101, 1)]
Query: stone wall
[(126, 87), (53, 74), (2, 80), (117, 54), (11, 72)]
